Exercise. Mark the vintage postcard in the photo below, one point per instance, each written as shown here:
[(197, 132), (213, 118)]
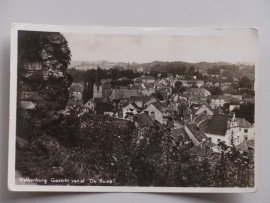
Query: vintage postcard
[(103, 109)]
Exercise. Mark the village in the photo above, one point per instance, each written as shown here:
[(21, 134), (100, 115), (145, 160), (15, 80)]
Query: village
[(182, 106)]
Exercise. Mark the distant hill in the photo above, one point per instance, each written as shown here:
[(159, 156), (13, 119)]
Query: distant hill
[(85, 65), (165, 66)]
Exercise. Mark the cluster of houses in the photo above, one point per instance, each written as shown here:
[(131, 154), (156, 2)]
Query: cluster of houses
[(195, 119)]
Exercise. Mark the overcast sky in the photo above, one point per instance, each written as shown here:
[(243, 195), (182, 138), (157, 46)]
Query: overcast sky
[(145, 48)]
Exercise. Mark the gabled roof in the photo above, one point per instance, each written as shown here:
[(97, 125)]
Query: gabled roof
[(203, 150), (217, 125), (243, 123), (132, 104), (125, 94), (143, 119), (202, 117), (176, 133), (198, 134), (246, 144), (161, 107)]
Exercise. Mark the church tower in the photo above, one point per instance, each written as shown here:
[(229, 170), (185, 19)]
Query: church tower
[(97, 92)]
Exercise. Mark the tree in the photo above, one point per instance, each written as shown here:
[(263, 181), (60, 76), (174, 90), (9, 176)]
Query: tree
[(191, 70), (246, 111), (245, 82), (215, 91), (178, 84)]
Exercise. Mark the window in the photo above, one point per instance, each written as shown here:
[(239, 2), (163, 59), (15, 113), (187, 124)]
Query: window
[(246, 130), (218, 140), (98, 88), (246, 137), (238, 140), (152, 114), (142, 131)]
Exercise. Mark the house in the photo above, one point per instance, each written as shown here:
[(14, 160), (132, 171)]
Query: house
[(195, 83), (130, 109), (157, 111), (181, 77), (151, 100), (181, 138), (235, 81), (247, 130), (148, 91), (248, 100), (177, 101), (91, 104), (121, 96), (148, 79), (139, 69), (218, 100), (195, 134), (225, 85), (144, 123), (198, 91), (140, 100), (162, 83), (203, 151), (209, 84), (223, 127), (239, 97), (246, 145), (204, 109), (216, 128), (234, 103)]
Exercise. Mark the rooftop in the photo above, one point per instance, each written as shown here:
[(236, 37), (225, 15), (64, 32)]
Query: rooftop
[(246, 144), (216, 125), (196, 132), (197, 90), (243, 123), (143, 119), (176, 133)]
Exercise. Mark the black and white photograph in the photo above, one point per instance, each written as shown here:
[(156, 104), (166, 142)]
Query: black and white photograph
[(103, 109)]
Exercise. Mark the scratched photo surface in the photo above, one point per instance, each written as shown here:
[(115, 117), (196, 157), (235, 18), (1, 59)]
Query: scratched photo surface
[(135, 110)]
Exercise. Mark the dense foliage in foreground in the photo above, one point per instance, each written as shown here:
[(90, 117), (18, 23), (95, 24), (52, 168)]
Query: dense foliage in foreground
[(87, 146)]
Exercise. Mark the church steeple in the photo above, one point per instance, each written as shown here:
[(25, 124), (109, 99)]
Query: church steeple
[(97, 77), (97, 92)]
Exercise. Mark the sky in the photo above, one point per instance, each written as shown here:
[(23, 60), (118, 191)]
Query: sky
[(148, 48)]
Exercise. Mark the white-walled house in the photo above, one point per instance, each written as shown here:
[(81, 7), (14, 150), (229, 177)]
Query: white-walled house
[(221, 127), (218, 100), (198, 91), (204, 109), (130, 109), (155, 112)]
